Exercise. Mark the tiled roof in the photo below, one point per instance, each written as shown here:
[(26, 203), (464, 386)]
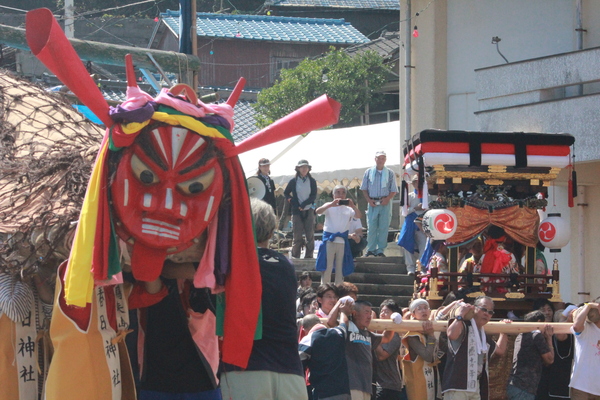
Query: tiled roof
[(387, 46), (363, 4), (245, 124), (112, 94), (268, 28)]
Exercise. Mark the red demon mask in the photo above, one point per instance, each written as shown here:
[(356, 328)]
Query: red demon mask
[(166, 190)]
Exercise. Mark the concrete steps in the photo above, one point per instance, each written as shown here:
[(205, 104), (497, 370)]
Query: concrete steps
[(377, 278)]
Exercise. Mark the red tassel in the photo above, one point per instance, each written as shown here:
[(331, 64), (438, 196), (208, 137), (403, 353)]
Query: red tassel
[(571, 202)]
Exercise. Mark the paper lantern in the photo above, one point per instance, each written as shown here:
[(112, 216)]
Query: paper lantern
[(439, 224), (554, 232)]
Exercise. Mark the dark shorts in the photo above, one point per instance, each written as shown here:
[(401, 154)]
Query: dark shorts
[(207, 395), (389, 394)]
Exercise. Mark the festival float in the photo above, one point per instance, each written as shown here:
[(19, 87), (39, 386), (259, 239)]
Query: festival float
[(480, 180)]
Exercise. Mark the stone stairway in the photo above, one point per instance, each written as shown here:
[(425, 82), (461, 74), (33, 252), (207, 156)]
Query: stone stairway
[(377, 278)]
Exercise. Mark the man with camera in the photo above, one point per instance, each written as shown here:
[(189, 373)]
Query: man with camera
[(335, 253)]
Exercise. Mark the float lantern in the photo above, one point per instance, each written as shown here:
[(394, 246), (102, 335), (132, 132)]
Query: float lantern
[(554, 232), (439, 224)]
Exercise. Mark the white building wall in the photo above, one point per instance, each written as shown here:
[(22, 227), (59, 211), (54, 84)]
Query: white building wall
[(528, 29)]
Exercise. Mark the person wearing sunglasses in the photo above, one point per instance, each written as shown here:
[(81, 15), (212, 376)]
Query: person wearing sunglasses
[(465, 377)]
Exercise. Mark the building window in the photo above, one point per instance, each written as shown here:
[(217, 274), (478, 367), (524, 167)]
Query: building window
[(279, 63)]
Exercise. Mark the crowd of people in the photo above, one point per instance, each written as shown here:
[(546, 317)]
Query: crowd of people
[(343, 359), (342, 239), (316, 344)]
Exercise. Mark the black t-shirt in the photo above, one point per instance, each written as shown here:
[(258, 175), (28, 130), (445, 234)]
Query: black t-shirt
[(527, 361), (325, 351), (172, 362), (277, 351)]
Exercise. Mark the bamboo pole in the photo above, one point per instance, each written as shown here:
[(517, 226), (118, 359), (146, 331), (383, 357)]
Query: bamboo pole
[(111, 54), (513, 328)]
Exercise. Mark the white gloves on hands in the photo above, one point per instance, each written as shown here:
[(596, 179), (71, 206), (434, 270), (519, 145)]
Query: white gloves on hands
[(396, 317), (346, 300)]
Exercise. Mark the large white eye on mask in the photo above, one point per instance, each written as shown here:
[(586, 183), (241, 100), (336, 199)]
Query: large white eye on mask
[(198, 184), (142, 172)]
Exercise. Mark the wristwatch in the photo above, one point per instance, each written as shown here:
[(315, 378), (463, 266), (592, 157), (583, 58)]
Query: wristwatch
[(459, 318)]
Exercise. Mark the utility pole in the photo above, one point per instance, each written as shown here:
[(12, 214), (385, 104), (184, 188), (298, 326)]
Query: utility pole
[(407, 68), (194, 45), (69, 20)]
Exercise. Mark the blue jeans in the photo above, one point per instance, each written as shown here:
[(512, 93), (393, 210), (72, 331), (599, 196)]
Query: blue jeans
[(514, 393), (378, 224)]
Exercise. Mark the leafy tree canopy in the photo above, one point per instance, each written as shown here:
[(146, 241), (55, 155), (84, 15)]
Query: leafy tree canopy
[(354, 81)]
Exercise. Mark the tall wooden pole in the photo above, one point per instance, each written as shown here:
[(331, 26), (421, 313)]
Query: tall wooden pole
[(194, 45), (69, 20), (490, 328), (110, 54)]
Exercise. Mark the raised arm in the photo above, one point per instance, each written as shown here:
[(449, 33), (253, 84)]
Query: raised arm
[(456, 328), (343, 305), (548, 358), (357, 213), (325, 206), (579, 321)]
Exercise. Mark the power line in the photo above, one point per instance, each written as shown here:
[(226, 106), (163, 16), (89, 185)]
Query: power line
[(119, 7), (14, 9)]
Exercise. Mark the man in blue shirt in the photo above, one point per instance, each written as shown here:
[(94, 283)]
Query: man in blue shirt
[(378, 187)]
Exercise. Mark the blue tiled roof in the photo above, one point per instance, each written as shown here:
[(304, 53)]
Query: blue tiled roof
[(268, 28), (387, 46), (245, 123), (362, 4)]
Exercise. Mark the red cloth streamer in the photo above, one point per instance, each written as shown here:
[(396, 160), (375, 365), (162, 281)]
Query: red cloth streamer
[(49, 44), (100, 260), (243, 287), (318, 113)]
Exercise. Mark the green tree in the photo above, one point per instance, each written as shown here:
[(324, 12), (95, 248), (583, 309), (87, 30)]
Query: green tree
[(354, 81)]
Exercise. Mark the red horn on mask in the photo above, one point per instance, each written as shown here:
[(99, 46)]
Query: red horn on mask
[(130, 71), (321, 112), (49, 44), (237, 90)]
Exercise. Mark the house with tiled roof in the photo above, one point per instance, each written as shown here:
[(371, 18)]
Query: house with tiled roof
[(370, 17), (256, 47), (388, 47)]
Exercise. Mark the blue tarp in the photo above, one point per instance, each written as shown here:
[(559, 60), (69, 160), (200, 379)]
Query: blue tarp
[(88, 114)]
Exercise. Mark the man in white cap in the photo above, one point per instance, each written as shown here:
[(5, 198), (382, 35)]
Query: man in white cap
[(379, 187)]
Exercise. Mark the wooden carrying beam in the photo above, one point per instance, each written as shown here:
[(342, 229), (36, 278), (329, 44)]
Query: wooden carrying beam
[(513, 328)]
